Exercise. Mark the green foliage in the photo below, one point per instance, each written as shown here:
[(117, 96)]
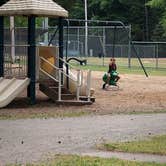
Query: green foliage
[(160, 4), (157, 3), (128, 11), (3, 1)]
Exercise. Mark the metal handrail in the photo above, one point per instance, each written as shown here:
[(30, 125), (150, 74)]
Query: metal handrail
[(75, 68), (46, 73), (88, 89), (57, 68), (69, 64), (78, 81)]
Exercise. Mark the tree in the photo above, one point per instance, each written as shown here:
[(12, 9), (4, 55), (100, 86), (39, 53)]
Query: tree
[(161, 5), (3, 1), (127, 11)]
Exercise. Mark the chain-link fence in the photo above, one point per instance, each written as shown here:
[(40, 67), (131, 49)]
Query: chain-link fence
[(153, 54), (104, 42)]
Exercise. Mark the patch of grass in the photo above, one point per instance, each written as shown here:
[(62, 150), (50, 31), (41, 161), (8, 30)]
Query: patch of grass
[(146, 112), (126, 70), (40, 115), (69, 160), (154, 145)]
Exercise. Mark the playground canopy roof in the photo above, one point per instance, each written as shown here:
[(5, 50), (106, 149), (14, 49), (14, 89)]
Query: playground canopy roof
[(43, 8)]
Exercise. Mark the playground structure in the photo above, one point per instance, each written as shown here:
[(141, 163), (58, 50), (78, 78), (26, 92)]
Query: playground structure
[(42, 64)]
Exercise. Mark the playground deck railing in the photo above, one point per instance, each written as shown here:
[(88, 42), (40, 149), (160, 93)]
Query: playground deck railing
[(15, 60)]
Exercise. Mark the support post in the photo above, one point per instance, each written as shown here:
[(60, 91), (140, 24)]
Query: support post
[(86, 28), (157, 56), (61, 42), (59, 86), (12, 31), (78, 40), (129, 48), (67, 47), (104, 45), (1, 46), (32, 59), (61, 46)]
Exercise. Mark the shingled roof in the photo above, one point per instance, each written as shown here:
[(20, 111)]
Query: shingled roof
[(43, 8)]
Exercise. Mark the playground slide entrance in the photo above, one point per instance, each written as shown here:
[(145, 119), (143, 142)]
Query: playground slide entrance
[(10, 89), (51, 55)]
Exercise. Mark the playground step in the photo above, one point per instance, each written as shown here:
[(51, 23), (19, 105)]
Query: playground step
[(74, 102), (49, 82), (53, 94), (84, 98), (64, 90), (50, 89), (68, 97)]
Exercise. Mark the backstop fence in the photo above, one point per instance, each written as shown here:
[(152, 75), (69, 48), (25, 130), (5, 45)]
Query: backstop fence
[(103, 43)]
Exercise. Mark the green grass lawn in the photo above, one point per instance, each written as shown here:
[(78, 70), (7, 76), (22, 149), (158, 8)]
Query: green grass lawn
[(126, 70), (8, 115), (88, 161), (147, 62), (154, 145), (96, 64)]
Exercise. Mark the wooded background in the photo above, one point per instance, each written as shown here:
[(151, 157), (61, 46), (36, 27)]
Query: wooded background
[(147, 17)]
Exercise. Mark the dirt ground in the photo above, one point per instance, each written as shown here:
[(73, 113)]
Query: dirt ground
[(136, 94)]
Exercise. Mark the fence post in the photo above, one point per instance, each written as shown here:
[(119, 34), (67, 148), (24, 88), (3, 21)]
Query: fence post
[(157, 56), (104, 45), (114, 42), (78, 40), (129, 48)]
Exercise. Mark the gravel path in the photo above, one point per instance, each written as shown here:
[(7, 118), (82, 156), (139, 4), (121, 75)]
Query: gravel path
[(31, 140)]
